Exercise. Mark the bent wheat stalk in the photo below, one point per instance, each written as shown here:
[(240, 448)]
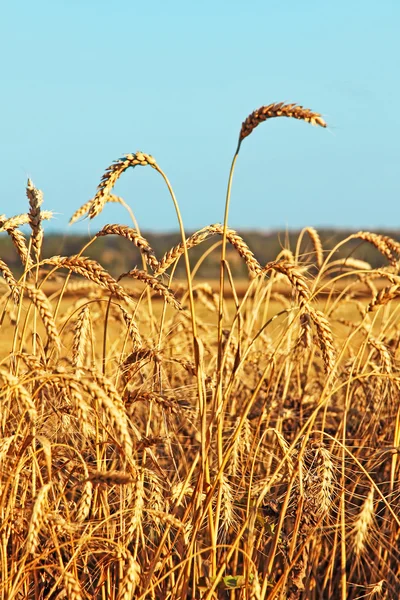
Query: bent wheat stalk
[(270, 111), (253, 120), (133, 236), (90, 269), (203, 234), (111, 176)]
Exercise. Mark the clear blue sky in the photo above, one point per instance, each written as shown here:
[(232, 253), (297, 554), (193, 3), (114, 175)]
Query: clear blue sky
[(84, 82)]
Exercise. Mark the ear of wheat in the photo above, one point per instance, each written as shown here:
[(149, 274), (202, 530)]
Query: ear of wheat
[(279, 109), (111, 176)]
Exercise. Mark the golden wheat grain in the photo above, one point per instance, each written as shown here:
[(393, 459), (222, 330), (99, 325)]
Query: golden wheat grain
[(38, 518), (386, 358), (181, 489), (90, 288), (316, 240), (83, 210), (206, 295), (5, 444), (203, 234), (19, 242), (305, 338), (85, 503), (325, 339), (24, 396), (92, 270), (227, 503), (41, 302), (174, 253), (377, 589), (115, 398), (138, 507), (35, 198), (22, 219), (384, 244), (105, 396), (131, 577), (10, 280), (364, 524), (133, 329), (155, 284), (240, 245), (133, 236), (294, 275), (156, 496), (111, 176), (325, 477), (72, 586), (80, 337), (79, 405), (279, 109)]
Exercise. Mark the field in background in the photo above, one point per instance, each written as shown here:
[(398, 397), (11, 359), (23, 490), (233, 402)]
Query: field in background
[(168, 436)]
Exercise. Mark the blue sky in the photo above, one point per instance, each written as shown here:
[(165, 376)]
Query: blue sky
[(85, 82)]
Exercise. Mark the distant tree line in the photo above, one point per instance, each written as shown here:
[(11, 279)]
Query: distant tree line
[(118, 255)]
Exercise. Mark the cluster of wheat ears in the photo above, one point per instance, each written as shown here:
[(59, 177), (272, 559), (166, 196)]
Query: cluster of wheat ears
[(195, 447)]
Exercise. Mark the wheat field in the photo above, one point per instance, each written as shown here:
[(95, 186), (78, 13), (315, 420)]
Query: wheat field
[(159, 441)]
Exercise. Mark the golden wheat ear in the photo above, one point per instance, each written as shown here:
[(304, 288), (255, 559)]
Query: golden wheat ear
[(279, 109), (111, 176)]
